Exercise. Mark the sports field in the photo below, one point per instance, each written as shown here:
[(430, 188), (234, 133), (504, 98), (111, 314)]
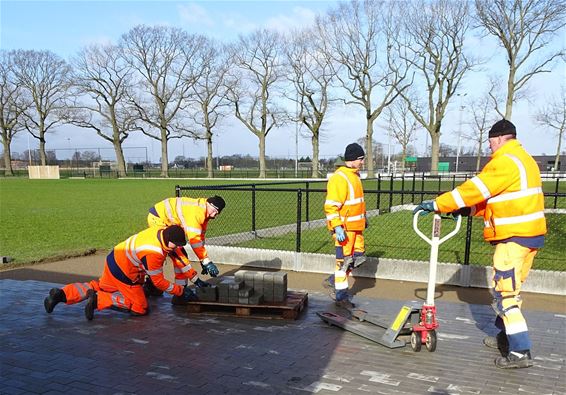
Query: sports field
[(51, 219)]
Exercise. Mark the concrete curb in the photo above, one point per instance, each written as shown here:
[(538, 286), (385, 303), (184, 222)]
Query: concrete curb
[(539, 281)]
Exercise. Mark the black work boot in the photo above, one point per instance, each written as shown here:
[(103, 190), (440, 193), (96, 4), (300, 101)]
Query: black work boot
[(150, 289), (91, 304), (499, 342), (56, 295), (515, 360)]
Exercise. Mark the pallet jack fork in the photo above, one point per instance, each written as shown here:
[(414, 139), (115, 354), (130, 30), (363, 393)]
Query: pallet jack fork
[(418, 321)]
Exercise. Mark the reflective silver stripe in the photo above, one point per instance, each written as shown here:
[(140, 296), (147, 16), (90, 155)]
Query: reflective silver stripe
[(197, 245), (517, 326), (332, 203), (194, 230), (170, 288), (519, 218), (522, 170), (180, 213), (79, 287), (130, 254), (154, 272), (354, 218), (458, 198), (354, 201), (118, 300), (150, 247), (190, 203), (350, 186), (481, 186), (515, 195), (338, 282), (487, 224), (330, 217), (169, 211), (183, 269), (180, 281)]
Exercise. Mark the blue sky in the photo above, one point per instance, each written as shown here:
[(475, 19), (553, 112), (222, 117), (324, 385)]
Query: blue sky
[(65, 26)]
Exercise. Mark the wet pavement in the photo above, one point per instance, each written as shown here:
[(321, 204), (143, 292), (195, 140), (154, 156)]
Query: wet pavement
[(171, 351)]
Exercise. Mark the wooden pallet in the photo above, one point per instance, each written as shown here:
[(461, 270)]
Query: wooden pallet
[(288, 310)]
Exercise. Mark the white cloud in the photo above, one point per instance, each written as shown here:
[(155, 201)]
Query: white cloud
[(299, 17), (194, 14)]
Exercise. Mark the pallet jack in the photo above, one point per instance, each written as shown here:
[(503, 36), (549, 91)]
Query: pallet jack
[(414, 320)]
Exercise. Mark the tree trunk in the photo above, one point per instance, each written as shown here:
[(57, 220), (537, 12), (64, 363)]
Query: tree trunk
[(403, 157), (315, 153), (7, 156), (369, 147), (557, 159), (42, 155), (120, 158), (434, 151), (164, 159), (209, 156), (478, 160), (262, 169), (510, 95)]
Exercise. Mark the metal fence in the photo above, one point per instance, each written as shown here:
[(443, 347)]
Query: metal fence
[(289, 216)]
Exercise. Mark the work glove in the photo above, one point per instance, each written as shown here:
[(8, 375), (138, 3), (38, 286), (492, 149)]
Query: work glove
[(340, 233), (210, 269), (201, 284), (464, 212), (189, 295), (367, 222), (426, 206)]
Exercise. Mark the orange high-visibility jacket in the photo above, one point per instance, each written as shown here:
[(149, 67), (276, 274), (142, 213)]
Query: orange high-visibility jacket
[(145, 253), (191, 215), (345, 203), (507, 192)]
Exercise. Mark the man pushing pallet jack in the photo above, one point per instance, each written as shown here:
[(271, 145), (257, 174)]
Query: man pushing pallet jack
[(418, 321)]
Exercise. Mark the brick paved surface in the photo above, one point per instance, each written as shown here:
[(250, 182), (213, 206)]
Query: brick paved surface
[(172, 352)]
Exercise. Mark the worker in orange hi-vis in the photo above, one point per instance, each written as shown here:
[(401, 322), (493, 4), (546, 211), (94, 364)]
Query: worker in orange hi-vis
[(193, 215), (121, 285), (345, 211)]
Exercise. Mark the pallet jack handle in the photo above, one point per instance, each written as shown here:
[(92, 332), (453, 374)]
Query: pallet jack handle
[(434, 242)]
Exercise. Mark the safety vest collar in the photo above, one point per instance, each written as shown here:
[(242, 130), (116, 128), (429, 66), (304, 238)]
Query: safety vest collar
[(506, 148)]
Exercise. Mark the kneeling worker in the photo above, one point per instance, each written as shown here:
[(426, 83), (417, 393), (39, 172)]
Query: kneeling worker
[(121, 285)]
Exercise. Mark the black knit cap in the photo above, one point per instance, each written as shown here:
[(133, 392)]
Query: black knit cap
[(217, 202), (174, 234), (354, 151), (502, 128)]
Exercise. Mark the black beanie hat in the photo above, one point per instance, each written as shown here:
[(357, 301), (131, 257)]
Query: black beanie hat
[(174, 234), (217, 202), (353, 151), (502, 128)]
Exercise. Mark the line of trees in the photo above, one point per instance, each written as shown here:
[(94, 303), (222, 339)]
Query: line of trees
[(400, 62)]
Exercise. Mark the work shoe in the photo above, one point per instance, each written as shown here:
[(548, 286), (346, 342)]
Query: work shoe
[(499, 342), (91, 304), (515, 360), (359, 261), (56, 295), (345, 304), (328, 284), (149, 288)]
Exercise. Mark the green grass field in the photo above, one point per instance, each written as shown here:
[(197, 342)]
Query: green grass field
[(49, 219)]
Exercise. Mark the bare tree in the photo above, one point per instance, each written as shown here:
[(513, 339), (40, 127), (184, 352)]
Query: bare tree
[(482, 117), (402, 126), (167, 62), (553, 115), (259, 69), (436, 30), (523, 28), (209, 95), (364, 39), (44, 77), (311, 74), (12, 107), (102, 82)]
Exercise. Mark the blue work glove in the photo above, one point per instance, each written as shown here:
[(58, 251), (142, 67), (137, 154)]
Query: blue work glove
[(340, 234), (201, 284), (189, 295), (426, 206), (210, 269)]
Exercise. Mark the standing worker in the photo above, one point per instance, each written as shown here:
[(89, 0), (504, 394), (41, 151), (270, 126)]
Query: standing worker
[(508, 194), (192, 215), (345, 211), (120, 286)]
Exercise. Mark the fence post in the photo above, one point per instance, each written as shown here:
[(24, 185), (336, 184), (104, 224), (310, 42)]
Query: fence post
[(422, 186), (390, 192), (378, 191), (299, 214), (556, 192), (453, 181), (177, 191), (307, 203), (414, 180), (402, 188), (468, 246), (253, 209)]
